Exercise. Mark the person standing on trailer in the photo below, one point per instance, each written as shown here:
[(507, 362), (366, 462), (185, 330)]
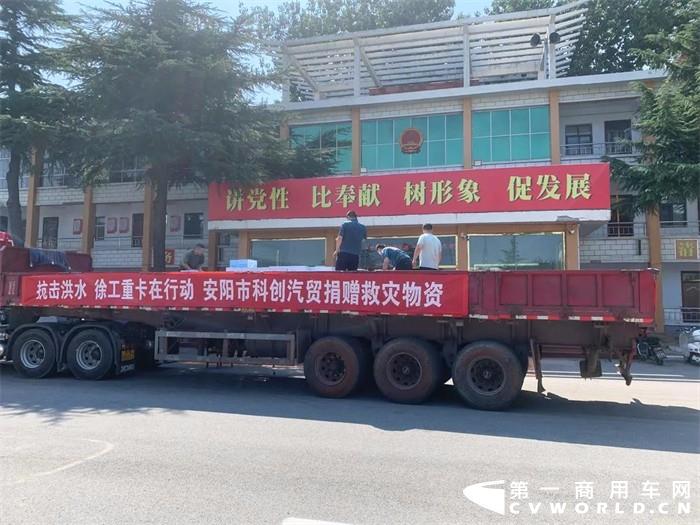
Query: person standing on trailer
[(428, 252), (348, 244), (395, 257)]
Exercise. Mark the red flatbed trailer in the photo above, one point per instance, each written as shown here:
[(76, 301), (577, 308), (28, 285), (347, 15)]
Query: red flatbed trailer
[(411, 331)]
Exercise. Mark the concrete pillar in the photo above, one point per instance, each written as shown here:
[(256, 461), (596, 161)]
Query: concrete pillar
[(330, 247), (88, 234), (147, 239), (467, 129), (356, 142), (554, 126), (462, 248), (37, 168), (212, 250), (571, 247), (653, 223), (243, 245)]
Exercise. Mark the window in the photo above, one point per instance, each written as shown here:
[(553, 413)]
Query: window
[(371, 260), (578, 139), (621, 216), (528, 251), (673, 215), (511, 135), (130, 170), (194, 226), (99, 228), (334, 136), (3, 223), (690, 297), (137, 230), (443, 142), (618, 134), (288, 252), (49, 233)]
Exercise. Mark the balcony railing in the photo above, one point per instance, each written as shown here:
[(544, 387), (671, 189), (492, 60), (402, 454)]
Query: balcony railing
[(638, 230), (682, 316), (23, 182), (600, 149)]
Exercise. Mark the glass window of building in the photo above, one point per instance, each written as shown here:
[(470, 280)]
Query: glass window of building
[(3, 223), (618, 134), (49, 233), (334, 136), (371, 260), (99, 228), (673, 214), (137, 230), (527, 251), (511, 135), (621, 216), (578, 139), (288, 252), (194, 226), (443, 142)]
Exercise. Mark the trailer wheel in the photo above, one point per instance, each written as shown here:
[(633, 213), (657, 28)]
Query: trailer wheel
[(335, 366), (408, 370), (488, 375), (34, 353), (90, 355)]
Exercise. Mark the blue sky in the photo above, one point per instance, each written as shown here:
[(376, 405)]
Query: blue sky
[(464, 6)]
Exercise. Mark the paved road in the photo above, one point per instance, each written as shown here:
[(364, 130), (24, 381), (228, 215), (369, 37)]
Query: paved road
[(185, 445)]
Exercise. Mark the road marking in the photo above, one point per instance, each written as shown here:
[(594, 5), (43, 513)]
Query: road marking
[(108, 447), (302, 521)]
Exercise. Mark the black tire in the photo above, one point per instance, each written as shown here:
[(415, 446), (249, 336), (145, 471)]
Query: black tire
[(90, 355), (34, 353), (336, 366), (408, 370), (487, 375)]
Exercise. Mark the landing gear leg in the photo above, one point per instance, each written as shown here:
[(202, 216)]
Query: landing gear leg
[(536, 352)]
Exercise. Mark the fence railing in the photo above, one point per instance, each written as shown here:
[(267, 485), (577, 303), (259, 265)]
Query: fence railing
[(682, 316), (114, 243)]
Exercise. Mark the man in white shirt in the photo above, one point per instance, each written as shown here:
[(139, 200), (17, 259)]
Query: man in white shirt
[(428, 251)]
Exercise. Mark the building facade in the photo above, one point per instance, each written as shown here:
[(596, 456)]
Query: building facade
[(422, 104)]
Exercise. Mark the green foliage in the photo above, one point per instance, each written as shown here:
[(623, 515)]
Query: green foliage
[(296, 19), (669, 166), (32, 110)]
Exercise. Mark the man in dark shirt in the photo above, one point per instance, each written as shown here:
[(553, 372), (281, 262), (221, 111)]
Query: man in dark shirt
[(193, 259), (348, 244), (391, 256)]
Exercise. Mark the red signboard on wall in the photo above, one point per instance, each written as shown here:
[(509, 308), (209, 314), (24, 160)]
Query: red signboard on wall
[(529, 188), (409, 293)]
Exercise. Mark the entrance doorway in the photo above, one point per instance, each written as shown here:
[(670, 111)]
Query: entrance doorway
[(690, 297)]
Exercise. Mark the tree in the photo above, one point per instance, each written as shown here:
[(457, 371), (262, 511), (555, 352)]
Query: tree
[(31, 108), (611, 31), (669, 163), (169, 82), (295, 19)]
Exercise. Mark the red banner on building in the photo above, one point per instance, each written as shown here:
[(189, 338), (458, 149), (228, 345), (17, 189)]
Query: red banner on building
[(410, 293), (530, 188)]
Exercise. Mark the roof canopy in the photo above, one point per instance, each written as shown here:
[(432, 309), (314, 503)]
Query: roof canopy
[(484, 50)]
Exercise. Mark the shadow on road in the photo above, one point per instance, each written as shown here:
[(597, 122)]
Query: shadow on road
[(180, 388)]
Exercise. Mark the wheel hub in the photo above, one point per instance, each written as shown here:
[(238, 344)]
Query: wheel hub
[(32, 354), (404, 371), (330, 368), (487, 376), (89, 355)]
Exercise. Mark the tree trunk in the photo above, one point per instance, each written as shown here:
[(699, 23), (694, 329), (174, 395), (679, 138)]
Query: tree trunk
[(14, 208), (160, 205)]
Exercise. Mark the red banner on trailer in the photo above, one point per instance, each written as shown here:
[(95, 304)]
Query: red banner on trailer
[(528, 188), (409, 293)]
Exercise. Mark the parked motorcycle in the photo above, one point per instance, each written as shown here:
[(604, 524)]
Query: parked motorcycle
[(649, 348), (689, 341)]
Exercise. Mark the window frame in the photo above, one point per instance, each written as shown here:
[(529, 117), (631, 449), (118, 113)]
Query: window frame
[(98, 226), (673, 223), (259, 239), (199, 235), (492, 268)]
